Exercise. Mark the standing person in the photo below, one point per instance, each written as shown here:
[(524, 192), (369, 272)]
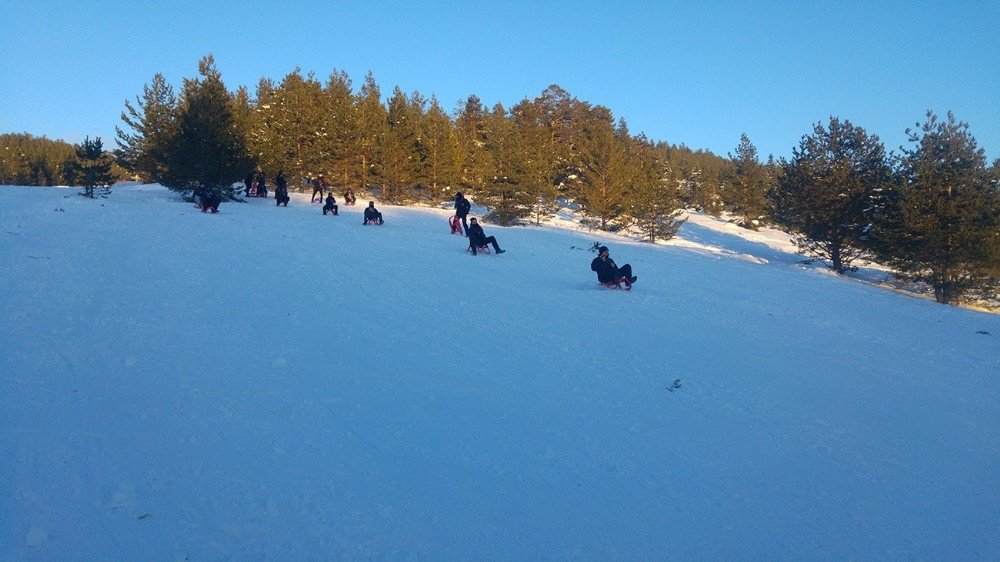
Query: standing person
[(608, 271), (462, 208), (248, 182), (319, 186), (478, 238), (372, 216), (281, 189), (261, 184), (331, 205)]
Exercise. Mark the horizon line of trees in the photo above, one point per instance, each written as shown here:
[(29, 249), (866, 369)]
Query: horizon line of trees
[(932, 211)]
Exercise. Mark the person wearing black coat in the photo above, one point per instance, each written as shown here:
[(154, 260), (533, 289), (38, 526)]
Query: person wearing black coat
[(608, 271), (248, 182), (331, 205), (261, 184), (372, 214), (462, 208), (281, 189), (319, 187), (478, 238)]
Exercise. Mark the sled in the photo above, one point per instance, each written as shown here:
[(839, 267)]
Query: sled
[(372, 221), (617, 286), (456, 224), (481, 249)]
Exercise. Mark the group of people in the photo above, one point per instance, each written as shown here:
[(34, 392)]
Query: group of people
[(608, 272), (477, 237)]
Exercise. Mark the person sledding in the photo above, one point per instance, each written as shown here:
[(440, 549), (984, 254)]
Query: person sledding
[(319, 188), (349, 198), (281, 189), (478, 238), (608, 272), (372, 216), (462, 208), (209, 198), (331, 205)]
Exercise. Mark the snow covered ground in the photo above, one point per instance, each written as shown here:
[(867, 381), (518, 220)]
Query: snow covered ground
[(272, 383)]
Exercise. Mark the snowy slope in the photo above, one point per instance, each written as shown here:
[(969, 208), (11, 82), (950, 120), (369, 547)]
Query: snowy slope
[(319, 389)]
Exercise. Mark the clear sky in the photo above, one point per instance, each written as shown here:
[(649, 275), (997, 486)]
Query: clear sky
[(698, 73)]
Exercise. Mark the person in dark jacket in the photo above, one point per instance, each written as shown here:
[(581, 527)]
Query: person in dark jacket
[(478, 238), (248, 182), (462, 208), (349, 198), (261, 184), (319, 187), (608, 271), (372, 215), (281, 189), (210, 199), (331, 205)]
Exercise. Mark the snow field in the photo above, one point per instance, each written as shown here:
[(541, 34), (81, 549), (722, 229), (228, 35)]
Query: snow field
[(272, 383)]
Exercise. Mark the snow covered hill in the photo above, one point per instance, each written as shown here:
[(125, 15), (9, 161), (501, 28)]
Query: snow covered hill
[(272, 383)]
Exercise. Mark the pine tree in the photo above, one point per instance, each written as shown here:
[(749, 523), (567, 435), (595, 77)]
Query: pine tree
[(654, 202), (826, 192), (439, 147), (604, 163), (536, 160), (747, 185), (501, 189), (371, 120), (143, 147), (341, 126), (207, 153), (93, 169), (949, 213), (399, 156), (470, 121)]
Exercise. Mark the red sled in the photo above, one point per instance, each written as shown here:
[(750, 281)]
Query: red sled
[(618, 286), (482, 249), (372, 221), (456, 224)]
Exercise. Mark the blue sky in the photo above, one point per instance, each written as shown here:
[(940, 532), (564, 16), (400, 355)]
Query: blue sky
[(698, 73)]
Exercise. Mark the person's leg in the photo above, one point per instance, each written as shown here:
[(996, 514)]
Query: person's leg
[(625, 271), (492, 240), (465, 226), (380, 221), (335, 210)]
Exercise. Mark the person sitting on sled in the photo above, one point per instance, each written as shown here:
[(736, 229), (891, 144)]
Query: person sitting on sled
[(372, 215), (478, 238), (349, 198), (261, 184), (608, 271), (331, 205)]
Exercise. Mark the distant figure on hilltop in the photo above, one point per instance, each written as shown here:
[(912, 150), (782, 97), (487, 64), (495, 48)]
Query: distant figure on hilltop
[(331, 205), (462, 208), (261, 184), (372, 216), (478, 238), (248, 184), (349, 198), (319, 187), (608, 272), (281, 189)]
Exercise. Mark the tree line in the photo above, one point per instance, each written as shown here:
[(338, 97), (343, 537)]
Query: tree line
[(931, 211)]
